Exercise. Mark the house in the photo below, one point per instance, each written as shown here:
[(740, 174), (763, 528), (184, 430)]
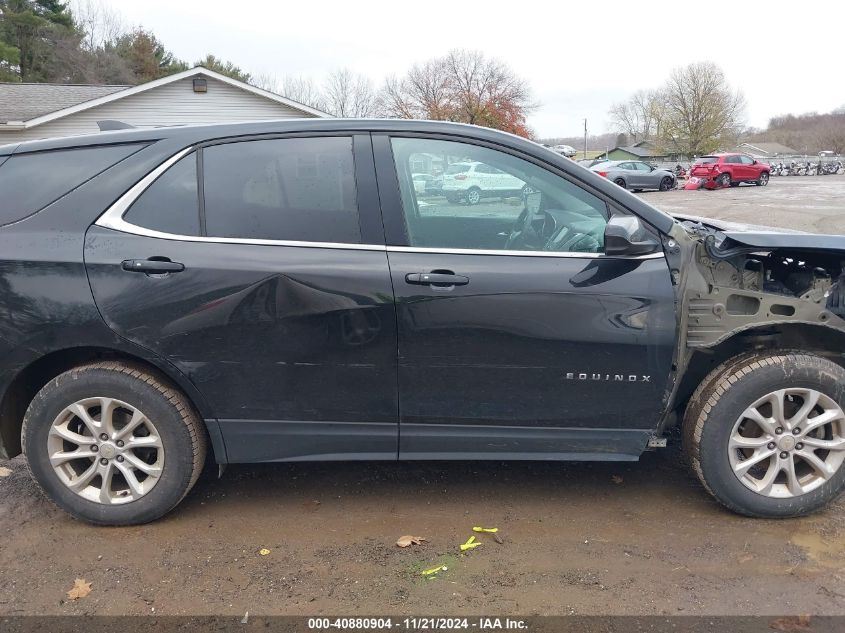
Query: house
[(198, 95), (765, 151), (644, 150)]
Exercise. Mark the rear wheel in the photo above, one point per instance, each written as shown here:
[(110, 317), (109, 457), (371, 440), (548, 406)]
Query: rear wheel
[(724, 180), (113, 445), (473, 195), (763, 180), (620, 182), (766, 434)]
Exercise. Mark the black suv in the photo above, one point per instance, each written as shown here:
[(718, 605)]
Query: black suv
[(284, 291)]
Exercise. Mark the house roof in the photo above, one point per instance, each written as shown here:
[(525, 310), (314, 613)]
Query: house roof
[(769, 149), (44, 102), (21, 102), (640, 152)]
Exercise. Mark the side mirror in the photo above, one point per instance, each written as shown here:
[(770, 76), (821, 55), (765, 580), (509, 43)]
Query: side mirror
[(625, 235), (754, 163)]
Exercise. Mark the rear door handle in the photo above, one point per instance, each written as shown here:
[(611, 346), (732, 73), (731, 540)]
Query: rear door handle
[(152, 266), (436, 279)]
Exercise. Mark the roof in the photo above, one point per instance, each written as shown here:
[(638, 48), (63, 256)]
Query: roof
[(640, 152), (769, 149), (21, 102), (33, 113)]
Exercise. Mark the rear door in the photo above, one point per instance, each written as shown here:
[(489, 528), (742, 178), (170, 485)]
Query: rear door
[(518, 337), (258, 268)]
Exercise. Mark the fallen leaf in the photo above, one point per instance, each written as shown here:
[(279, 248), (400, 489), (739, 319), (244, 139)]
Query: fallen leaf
[(264, 551), (498, 538), (5, 472), (616, 479), (408, 540), (791, 623), (80, 589)]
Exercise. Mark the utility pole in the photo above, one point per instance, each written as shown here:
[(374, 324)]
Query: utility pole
[(585, 138)]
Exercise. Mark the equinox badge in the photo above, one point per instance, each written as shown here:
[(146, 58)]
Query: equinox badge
[(609, 377)]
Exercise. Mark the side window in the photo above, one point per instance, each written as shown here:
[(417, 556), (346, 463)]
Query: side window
[(746, 160), (643, 167), (733, 159), (171, 203), (30, 182), (527, 207), (297, 189)]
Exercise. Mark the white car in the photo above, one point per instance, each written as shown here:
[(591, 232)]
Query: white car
[(472, 181)]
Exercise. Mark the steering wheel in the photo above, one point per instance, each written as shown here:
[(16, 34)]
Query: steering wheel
[(568, 239), (524, 232)]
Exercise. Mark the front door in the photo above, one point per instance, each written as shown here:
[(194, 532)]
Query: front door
[(517, 336), (265, 281)]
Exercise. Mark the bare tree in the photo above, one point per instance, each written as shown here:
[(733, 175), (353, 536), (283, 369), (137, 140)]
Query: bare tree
[(349, 95), (638, 117), (700, 111), (98, 22), (463, 86), (302, 90)]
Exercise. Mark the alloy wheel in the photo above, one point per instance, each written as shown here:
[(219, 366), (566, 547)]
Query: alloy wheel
[(788, 443), (105, 450)]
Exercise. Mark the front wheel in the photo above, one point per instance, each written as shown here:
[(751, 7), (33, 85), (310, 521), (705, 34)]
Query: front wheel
[(112, 444), (666, 184), (763, 180), (766, 434)]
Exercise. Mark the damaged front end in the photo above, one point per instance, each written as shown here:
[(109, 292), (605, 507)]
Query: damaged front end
[(742, 287)]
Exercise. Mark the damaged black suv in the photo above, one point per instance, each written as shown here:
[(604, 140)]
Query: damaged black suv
[(289, 291)]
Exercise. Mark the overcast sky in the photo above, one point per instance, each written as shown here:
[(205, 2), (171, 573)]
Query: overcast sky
[(578, 56)]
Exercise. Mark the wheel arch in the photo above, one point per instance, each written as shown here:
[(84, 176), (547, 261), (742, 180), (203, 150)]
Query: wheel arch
[(809, 338), (29, 380)]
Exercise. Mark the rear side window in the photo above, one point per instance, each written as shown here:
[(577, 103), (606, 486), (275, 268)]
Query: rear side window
[(30, 182), (171, 203), (295, 189)]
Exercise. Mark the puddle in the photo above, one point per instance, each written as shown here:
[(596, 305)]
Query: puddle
[(824, 551)]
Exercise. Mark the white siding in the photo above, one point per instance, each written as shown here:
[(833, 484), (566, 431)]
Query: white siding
[(174, 103)]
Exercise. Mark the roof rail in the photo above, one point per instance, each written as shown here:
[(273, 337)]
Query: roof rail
[(110, 125)]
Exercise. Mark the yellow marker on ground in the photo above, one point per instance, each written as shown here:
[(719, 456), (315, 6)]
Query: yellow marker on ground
[(483, 529), (434, 570), (470, 544)]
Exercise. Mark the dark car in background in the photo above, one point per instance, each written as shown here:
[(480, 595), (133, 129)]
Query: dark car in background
[(281, 291)]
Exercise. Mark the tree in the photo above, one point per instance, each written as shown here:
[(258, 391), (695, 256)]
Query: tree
[(224, 68), (349, 95), (463, 86), (28, 28), (699, 110), (637, 117), (145, 55), (302, 90)]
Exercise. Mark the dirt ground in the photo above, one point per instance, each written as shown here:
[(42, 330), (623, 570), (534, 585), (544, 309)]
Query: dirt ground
[(579, 538)]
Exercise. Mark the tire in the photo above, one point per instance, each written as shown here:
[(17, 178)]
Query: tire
[(473, 196), (166, 461), (735, 184), (621, 183), (763, 180), (717, 416), (724, 180), (666, 184)]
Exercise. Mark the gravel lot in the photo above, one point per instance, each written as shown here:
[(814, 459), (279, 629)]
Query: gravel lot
[(579, 538)]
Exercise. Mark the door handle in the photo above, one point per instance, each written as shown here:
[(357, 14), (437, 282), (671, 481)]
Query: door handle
[(152, 266), (436, 279)]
